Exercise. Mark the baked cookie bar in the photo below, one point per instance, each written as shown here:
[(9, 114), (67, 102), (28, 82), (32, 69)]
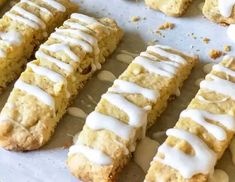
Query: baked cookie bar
[(23, 28), (220, 11), (169, 7), (202, 132), (121, 117), (48, 85)]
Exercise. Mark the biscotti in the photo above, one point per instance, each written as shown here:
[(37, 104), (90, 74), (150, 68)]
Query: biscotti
[(131, 105), (169, 7), (48, 85), (202, 133), (219, 11), (23, 29)]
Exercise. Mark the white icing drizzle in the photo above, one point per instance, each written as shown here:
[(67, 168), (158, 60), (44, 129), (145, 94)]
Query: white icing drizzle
[(2, 54), (29, 17), (224, 69), (105, 75), (219, 85), (56, 5), (201, 98), (137, 116), (122, 86), (226, 7), (159, 49), (22, 20), (89, 41), (42, 9), (98, 121), (84, 19), (161, 68), (153, 64), (200, 116), (61, 47), (203, 161), (52, 75), (76, 25), (148, 55), (64, 66), (83, 35), (36, 92), (73, 41), (94, 155), (11, 37), (77, 112)]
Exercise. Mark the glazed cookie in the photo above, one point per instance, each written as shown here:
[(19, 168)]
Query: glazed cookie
[(169, 7), (23, 29), (202, 132), (220, 11), (49, 84), (131, 105)]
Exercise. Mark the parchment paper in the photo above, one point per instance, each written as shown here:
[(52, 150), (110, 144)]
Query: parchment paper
[(48, 163)]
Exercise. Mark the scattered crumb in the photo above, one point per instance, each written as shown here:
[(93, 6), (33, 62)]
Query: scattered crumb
[(206, 40), (159, 33), (214, 54), (193, 36), (192, 46), (135, 18), (166, 25), (227, 48)]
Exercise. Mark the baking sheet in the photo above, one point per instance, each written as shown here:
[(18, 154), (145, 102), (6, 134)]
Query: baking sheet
[(48, 163)]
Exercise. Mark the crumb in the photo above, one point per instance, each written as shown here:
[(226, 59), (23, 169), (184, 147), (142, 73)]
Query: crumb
[(166, 25), (135, 18), (206, 40), (158, 32), (227, 48), (214, 54)]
